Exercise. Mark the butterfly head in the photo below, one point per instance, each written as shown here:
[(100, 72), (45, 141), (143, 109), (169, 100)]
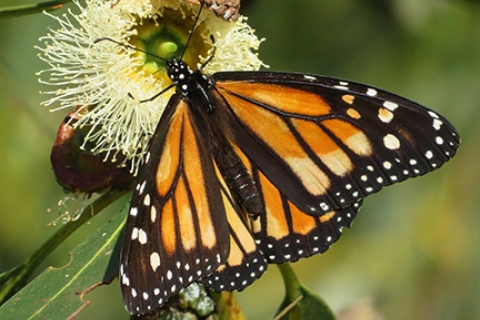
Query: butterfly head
[(179, 72)]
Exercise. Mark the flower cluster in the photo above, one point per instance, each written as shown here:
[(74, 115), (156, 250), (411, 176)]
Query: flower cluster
[(110, 83)]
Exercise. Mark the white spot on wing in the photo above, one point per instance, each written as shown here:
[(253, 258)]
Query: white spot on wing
[(371, 92), (387, 165), (391, 142), (125, 280), (310, 78), (154, 261), (147, 157), (324, 206), (385, 115), (433, 114), (146, 200), (390, 105), (437, 124), (142, 187), (133, 211), (134, 234), (153, 214), (142, 236)]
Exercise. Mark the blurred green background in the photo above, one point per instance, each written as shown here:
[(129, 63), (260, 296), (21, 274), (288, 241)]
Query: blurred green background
[(413, 251)]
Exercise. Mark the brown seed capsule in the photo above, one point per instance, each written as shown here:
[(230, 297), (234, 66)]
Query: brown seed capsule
[(77, 169)]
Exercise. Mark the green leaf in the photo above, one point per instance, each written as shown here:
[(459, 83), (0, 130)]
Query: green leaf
[(60, 291), (15, 11), (300, 303), (15, 279)]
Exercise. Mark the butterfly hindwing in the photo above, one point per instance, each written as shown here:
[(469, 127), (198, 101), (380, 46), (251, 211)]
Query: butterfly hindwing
[(326, 143), (286, 234), (245, 262), (283, 232), (177, 230)]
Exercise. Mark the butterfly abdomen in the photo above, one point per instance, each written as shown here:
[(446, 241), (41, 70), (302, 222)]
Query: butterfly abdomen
[(239, 180)]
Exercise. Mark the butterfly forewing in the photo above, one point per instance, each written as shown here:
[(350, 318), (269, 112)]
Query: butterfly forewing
[(177, 230), (327, 143)]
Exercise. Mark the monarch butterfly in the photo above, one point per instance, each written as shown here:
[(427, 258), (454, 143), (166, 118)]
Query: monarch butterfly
[(250, 168)]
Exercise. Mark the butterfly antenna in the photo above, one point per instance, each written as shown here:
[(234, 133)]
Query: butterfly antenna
[(160, 93), (129, 47), (193, 29)]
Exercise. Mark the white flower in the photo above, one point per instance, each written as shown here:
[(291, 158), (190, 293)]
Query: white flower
[(109, 80)]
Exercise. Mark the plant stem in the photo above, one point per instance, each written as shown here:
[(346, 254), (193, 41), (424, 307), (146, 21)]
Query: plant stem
[(292, 286), (15, 11)]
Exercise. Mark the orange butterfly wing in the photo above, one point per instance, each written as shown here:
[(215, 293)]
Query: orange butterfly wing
[(327, 143), (183, 234)]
